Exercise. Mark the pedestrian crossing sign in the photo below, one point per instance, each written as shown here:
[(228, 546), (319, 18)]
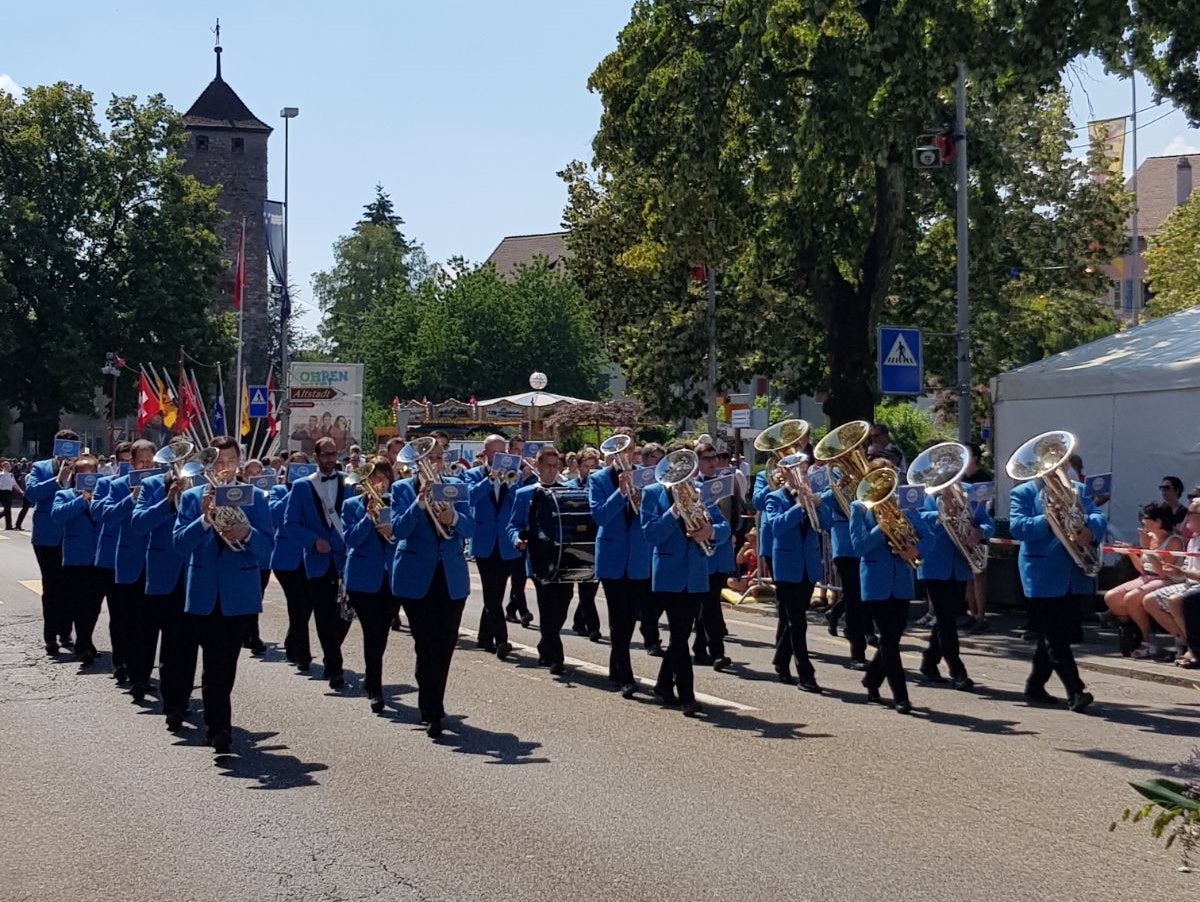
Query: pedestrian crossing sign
[(900, 371), (258, 401)]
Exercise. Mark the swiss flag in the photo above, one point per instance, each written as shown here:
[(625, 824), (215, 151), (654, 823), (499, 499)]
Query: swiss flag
[(239, 270), (148, 406), (272, 424)]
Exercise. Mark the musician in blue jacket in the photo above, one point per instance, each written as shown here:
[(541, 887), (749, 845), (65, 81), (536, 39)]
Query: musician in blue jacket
[(946, 575), (142, 620), (1053, 584), (553, 598), (622, 560), (313, 519), (888, 586), (41, 485), (222, 589), (708, 644), (679, 577), (796, 553), (154, 515), (287, 563), (586, 621), (651, 613), (845, 560), (71, 512), (367, 526), (429, 576)]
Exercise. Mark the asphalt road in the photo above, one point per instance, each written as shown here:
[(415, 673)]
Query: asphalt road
[(554, 789)]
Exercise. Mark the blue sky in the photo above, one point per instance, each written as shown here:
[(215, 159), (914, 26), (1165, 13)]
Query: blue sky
[(463, 109)]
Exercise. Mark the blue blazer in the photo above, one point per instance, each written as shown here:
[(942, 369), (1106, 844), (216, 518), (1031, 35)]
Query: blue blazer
[(940, 557), (419, 548), (839, 526), (1046, 568), (368, 555), (74, 517), (621, 549), (491, 516), (117, 515), (678, 563), (288, 554), (305, 522), (796, 543), (881, 573), (722, 558), (217, 571), (762, 488), (154, 520), (106, 541), (40, 489)]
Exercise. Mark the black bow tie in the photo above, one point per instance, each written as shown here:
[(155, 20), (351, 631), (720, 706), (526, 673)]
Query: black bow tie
[(325, 478)]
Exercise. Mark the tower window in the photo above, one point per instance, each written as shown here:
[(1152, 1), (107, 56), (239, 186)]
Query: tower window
[(239, 145), (201, 143)]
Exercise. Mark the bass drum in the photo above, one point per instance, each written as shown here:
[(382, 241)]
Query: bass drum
[(562, 544)]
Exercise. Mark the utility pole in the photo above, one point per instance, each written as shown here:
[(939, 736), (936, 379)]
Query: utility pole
[(961, 231), (288, 113), (711, 328)]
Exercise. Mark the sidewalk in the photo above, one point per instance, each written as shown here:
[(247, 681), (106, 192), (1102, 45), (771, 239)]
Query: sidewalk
[(1004, 638)]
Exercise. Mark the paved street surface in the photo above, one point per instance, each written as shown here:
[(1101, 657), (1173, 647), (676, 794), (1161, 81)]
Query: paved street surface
[(558, 789)]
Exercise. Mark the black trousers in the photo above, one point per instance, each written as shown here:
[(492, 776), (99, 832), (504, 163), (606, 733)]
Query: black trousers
[(858, 620), (84, 604), (220, 641), (321, 600), (121, 605), (252, 633), (1191, 620), (650, 614), (1056, 621), (587, 619), (791, 632), (375, 611), (56, 604), (433, 621), (180, 644), (553, 599), (25, 505), (890, 617), (709, 641), (675, 672), (6, 496), (949, 599), (493, 574), (516, 592), (625, 599), (145, 621), (295, 593)]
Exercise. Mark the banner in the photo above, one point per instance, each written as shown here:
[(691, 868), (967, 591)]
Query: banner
[(325, 401), (1110, 135), (273, 213)]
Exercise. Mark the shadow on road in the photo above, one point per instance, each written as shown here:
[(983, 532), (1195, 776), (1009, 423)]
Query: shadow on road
[(258, 763), (1123, 760)]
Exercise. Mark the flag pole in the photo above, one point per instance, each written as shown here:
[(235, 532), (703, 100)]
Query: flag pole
[(221, 398), (205, 421), (239, 288)]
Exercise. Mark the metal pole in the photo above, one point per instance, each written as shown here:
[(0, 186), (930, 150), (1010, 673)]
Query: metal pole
[(711, 325), (283, 320), (964, 312), (1135, 250), (112, 416)]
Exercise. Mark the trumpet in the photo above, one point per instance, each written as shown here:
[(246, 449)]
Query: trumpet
[(940, 469), (676, 472), (416, 454), (877, 493), (617, 445), (793, 479), (843, 447)]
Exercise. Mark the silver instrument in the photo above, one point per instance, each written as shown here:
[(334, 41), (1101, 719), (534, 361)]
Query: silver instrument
[(940, 469), (617, 445), (222, 518), (1046, 457), (796, 483), (677, 472), (416, 454)]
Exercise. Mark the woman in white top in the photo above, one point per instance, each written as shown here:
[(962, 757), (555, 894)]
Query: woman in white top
[(8, 485), (1128, 599)]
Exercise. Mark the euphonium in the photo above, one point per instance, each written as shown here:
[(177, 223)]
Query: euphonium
[(876, 492), (842, 448), (373, 502), (676, 472), (416, 454), (1046, 457), (617, 445), (782, 439), (795, 482), (940, 469), (222, 518)]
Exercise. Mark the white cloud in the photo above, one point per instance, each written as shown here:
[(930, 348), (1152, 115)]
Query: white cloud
[(1177, 146), (8, 86)]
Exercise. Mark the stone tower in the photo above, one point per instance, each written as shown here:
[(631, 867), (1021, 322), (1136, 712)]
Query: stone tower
[(227, 146)]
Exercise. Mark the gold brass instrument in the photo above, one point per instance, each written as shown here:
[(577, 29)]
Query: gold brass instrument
[(417, 454), (795, 482), (876, 491), (782, 439), (373, 502), (617, 445), (677, 472), (843, 448), (1046, 457), (222, 518), (940, 469)]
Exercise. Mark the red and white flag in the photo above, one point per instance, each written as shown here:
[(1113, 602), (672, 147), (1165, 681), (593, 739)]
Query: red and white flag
[(239, 270), (148, 404), (272, 424)]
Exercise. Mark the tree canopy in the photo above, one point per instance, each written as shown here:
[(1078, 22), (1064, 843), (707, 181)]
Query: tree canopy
[(1173, 261)]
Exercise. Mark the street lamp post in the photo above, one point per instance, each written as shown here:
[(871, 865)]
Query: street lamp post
[(288, 113)]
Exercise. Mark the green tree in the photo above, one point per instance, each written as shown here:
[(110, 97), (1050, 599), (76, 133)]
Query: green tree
[(105, 245), (1173, 261)]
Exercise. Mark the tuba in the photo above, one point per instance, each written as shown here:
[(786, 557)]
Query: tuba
[(940, 469), (795, 483), (782, 439), (842, 448), (175, 454), (416, 456), (616, 445), (876, 491), (677, 472), (1045, 457)]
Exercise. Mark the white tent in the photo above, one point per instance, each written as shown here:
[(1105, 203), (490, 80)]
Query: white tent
[(1131, 399)]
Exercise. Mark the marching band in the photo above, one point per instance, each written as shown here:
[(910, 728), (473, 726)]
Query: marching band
[(182, 551)]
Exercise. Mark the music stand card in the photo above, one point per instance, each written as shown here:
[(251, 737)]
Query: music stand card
[(818, 479), (233, 495), (910, 497), (713, 490), (86, 482), (264, 482), (137, 477), (124, 468), (448, 492), (981, 492), (297, 472), (67, 447), (505, 463), (532, 449), (642, 477), (1100, 484)]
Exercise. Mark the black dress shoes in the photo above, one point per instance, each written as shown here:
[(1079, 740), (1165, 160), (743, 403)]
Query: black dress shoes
[(721, 663), (655, 650), (873, 641), (556, 668), (1040, 697), (667, 698), (503, 650), (810, 686), (52, 648), (831, 624), (904, 707), (856, 664), (692, 708), (873, 697), (785, 676), (174, 722), (256, 646), (434, 730), (526, 619), (594, 636), (337, 683), (511, 617), (931, 675), (303, 666), (629, 690), (222, 743), (377, 704), (703, 660), (1080, 701), (964, 684)]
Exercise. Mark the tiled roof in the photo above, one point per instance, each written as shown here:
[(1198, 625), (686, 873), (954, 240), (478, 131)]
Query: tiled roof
[(1156, 190), (220, 107), (520, 250)]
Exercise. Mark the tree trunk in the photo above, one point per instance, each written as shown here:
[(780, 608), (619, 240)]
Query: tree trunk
[(850, 346)]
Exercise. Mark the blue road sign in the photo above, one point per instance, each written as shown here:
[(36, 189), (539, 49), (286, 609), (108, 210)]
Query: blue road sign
[(900, 371), (258, 400)]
